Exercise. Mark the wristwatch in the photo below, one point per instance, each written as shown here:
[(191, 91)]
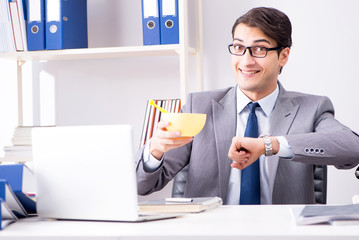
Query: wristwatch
[(267, 144)]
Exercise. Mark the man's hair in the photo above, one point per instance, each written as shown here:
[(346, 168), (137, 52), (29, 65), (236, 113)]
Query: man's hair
[(272, 22)]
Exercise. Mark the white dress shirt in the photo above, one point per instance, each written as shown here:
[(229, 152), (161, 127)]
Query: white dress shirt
[(263, 113)]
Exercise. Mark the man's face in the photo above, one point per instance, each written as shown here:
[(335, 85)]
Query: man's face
[(257, 77)]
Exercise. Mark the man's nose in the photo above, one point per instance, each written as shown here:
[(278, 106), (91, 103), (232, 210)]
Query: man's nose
[(247, 58)]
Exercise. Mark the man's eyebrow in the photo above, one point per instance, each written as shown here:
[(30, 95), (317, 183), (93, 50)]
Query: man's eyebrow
[(255, 41), (238, 39), (261, 40)]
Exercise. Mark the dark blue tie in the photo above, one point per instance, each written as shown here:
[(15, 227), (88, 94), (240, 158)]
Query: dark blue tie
[(250, 184)]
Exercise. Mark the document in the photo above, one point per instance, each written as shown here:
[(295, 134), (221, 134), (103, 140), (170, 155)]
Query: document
[(16, 26), (6, 215), (181, 205), (7, 43), (314, 214), (7, 195)]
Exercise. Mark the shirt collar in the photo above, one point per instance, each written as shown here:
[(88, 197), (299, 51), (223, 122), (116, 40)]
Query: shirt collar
[(267, 103)]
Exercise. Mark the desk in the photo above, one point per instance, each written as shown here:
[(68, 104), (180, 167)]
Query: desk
[(226, 222)]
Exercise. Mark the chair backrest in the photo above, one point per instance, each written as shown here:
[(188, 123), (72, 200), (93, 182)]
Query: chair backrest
[(179, 183), (320, 183)]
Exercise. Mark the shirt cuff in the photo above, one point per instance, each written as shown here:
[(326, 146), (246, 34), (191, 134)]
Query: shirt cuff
[(150, 163), (285, 150)]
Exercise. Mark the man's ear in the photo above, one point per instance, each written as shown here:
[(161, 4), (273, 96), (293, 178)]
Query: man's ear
[(284, 56)]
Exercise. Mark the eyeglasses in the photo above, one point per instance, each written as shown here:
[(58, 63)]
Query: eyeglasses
[(255, 51)]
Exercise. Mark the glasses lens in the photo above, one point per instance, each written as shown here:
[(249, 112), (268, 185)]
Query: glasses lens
[(259, 51), (238, 49)]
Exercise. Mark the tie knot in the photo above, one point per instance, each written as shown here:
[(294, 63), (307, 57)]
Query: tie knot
[(252, 106)]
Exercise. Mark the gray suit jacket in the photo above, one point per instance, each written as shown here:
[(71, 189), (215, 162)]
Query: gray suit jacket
[(307, 121)]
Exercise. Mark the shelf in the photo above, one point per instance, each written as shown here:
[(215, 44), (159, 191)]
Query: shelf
[(95, 53)]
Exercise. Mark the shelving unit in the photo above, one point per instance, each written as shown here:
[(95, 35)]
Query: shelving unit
[(97, 53), (182, 50)]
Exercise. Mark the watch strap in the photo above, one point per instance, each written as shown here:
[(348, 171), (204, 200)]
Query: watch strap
[(267, 144)]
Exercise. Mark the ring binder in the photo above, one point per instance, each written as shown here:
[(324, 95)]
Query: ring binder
[(66, 24), (169, 21), (35, 25), (150, 22)]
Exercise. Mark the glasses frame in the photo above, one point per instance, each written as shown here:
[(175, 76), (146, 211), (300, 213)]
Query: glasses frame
[(250, 50)]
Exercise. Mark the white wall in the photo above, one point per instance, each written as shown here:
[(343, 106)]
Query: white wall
[(8, 102), (323, 61)]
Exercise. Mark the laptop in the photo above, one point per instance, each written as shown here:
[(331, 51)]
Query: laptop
[(87, 173)]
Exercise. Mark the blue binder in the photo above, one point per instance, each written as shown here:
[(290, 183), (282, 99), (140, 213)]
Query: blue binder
[(1, 225), (169, 21), (13, 174), (66, 24), (35, 24), (151, 22)]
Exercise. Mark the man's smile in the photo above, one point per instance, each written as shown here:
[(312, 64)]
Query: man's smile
[(248, 72)]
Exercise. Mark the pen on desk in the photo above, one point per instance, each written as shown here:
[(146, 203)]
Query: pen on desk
[(180, 200)]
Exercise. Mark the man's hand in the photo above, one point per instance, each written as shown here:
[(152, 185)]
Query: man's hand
[(163, 140), (244, 150)]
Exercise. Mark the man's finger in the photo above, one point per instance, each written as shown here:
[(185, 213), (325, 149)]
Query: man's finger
[(168, 134), (162, 124)]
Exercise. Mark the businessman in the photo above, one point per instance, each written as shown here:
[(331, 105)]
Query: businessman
[(260, 142)]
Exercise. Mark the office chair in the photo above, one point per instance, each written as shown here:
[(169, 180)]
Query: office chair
[(320, 183)]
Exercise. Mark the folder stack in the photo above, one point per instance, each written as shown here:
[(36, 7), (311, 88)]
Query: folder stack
[(21, 150), (18, 24), (42, 25), (16, 202), (8, 196), (160, 22), (7, 43), (22, 182), (153, 116), (7, 215), (13, 32)]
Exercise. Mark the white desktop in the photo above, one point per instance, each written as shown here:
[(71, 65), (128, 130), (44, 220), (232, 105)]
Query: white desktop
[(269, 222)]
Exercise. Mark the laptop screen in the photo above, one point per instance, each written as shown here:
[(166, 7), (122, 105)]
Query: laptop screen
[(85, 172)]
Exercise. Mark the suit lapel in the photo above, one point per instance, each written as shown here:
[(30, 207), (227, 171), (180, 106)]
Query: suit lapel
[(281, 120), (224, 124)]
